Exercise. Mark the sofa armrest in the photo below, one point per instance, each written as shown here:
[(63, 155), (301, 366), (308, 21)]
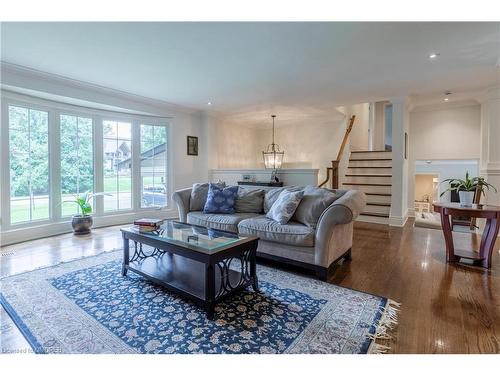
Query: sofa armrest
[(182, 198), (347, 208), (334, 230)]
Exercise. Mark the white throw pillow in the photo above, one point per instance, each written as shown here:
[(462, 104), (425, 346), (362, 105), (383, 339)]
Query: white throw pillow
[(285, 205)]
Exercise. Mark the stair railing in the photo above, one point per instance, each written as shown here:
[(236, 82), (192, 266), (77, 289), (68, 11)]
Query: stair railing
[(333, 171)]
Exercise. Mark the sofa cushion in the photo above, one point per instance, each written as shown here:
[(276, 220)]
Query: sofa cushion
[(250, 200), (227, 222), (313, 203), (284, 207), (199, 194), (272, 194), (266, 229), (220, 200)]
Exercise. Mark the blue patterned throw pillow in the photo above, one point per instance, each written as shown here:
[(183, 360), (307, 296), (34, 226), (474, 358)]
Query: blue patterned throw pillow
[(220, 200), (285, 205)]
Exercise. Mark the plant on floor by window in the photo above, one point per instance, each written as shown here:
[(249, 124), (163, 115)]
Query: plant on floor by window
[(82, 223), (467, 187)]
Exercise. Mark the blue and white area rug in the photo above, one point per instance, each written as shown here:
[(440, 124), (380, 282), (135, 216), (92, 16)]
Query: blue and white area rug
[(86, 306)]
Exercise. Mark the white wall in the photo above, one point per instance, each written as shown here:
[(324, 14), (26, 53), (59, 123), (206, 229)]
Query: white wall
[(400, 165), (360, 131), (444, 133), (377, 126)]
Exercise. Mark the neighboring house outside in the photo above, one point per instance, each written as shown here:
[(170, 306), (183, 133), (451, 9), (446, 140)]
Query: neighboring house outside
[(114, 156)]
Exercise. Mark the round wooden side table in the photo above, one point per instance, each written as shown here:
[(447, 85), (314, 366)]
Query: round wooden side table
[(490, 233)]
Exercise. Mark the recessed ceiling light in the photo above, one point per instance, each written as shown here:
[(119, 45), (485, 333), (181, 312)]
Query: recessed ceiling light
[(446, 99), (209, 103), (434, 55), (446, 94)]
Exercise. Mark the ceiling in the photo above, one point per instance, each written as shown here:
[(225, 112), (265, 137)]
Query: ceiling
[(241, 67)]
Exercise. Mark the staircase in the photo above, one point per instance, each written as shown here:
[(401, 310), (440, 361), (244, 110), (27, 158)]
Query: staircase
[(371, 173)]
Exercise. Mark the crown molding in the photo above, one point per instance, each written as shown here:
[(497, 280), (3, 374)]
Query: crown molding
[(14, 75)]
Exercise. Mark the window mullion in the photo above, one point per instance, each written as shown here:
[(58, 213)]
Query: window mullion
[(136, 166), (5, 220), (98, 163), (55, 165)]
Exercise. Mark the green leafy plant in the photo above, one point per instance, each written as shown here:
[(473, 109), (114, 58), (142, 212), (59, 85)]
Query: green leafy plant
[(468, 184), (83, 201)]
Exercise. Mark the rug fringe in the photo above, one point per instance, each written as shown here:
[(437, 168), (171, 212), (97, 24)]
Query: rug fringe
[(387, 322)]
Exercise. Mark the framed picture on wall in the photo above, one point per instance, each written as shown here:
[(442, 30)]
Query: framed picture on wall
[(192, 145)]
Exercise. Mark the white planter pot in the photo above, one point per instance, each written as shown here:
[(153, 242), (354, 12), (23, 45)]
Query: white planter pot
[(466, 198)]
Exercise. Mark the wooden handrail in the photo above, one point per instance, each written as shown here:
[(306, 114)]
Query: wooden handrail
[(346, 135), (334, 169)]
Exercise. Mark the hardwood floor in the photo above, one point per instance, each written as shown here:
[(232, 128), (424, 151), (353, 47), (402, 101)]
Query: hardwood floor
[(445, 308)]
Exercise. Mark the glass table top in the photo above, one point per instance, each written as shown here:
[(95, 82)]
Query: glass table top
[(192, 236)]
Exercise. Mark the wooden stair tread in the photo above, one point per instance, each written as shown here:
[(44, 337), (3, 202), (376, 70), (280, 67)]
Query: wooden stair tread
[(364, 184), (378, 204), (380, 194), (368, 175), (367, 166), (374, 159), (374, 214), (357, 152)]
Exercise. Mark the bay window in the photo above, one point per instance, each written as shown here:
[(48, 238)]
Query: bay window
[(54, 151)]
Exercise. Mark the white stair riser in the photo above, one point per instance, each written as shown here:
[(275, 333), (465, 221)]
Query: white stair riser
[(377, 209), (371, 155), (368, 179), (370, 163), (369, 189), (378, 199), (369, 170), (373, 219)]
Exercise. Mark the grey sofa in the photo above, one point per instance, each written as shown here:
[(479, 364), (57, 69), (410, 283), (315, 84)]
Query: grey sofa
[(316, 247)]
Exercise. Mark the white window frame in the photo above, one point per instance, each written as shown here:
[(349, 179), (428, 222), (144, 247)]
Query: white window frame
[(73, 113), (167, 174), (5, 139), (55, 109)]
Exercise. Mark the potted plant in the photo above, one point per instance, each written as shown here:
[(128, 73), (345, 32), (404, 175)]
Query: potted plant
[(467, 187), (82, 223)]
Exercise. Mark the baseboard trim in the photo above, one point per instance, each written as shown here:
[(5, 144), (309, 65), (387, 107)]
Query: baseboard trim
[(397, 221)]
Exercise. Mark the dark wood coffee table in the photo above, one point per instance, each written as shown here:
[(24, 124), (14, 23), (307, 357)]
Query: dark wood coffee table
[(205, 265), (490, 233)]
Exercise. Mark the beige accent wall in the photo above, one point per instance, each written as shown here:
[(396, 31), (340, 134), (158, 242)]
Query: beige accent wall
[(312, 145), (235, 146), (308, 142)]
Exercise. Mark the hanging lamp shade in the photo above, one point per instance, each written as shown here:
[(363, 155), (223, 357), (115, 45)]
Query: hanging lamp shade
[(273, 156)]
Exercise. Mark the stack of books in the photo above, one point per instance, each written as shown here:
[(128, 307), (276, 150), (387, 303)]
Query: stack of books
[(148, 225)]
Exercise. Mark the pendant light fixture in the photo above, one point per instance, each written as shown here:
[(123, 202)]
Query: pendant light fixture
[(273, 156)]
